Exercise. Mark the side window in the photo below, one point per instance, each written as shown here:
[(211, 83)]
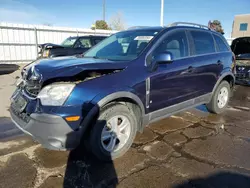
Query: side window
[(141, 44), (203, 42), (175, 43), (83, 43), (222, 47)]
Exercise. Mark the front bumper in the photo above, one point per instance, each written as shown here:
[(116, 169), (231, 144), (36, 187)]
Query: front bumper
[(242, 82), (51, 131), (243, 78)]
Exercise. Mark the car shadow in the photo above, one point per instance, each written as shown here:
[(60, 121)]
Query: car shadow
[(218, 180), (85, 170)]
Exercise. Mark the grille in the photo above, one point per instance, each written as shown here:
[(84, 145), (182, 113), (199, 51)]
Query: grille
[(31, 86), (23, 115), (243, 76), (31, 91)]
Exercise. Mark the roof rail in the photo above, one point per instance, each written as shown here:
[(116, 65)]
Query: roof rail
[(188, 23)]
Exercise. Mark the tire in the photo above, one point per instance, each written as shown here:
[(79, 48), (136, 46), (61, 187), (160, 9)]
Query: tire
[(110, 112), (214, 106)]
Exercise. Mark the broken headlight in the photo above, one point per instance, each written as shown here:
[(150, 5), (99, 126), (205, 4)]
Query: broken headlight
[(55, 94)]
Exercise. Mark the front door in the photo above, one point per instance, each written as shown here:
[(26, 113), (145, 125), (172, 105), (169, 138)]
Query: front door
[(173, 83)]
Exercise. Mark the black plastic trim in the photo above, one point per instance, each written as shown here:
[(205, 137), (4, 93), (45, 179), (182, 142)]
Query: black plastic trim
[(122, 94), (168, 111), (95, 110)]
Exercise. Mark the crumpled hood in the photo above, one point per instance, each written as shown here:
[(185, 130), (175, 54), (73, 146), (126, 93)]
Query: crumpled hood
[(241, 46), (71, 65)]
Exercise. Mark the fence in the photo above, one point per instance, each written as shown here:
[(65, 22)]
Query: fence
[(19, 42)]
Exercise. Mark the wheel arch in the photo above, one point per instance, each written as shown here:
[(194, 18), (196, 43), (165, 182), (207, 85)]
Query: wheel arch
[(228, 76), (121, 96)]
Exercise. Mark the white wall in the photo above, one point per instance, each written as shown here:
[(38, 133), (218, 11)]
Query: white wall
[(18, 41)]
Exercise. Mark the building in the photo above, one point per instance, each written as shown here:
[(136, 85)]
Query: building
[(241, 26)]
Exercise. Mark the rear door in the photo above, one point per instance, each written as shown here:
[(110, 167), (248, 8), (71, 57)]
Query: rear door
[(207, 62)]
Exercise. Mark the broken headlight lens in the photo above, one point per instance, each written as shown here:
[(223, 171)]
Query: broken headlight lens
[(55, 94)]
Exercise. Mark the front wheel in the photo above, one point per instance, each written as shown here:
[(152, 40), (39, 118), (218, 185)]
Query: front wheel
[(220, 98), (114, 132)]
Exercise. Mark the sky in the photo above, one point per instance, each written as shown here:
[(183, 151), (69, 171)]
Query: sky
[(83, 13)]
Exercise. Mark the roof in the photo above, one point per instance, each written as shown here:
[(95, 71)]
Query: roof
[(145, 28)]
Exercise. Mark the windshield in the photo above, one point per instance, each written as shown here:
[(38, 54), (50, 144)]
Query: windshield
[(122, 46), (69, 42)]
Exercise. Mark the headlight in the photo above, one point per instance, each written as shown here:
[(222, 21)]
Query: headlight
[(55, 94), (46, 53)]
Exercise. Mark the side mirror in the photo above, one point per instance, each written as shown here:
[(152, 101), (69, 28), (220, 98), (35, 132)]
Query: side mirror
[(162, 58)]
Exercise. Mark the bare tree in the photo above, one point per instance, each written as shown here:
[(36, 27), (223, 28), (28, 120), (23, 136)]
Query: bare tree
[(117, 22)]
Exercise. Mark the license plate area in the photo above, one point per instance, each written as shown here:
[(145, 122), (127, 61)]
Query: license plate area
[(19, 103)]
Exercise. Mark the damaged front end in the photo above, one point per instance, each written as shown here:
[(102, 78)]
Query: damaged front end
[(31, 82), (241, 49), (243, 72), (50, 104)]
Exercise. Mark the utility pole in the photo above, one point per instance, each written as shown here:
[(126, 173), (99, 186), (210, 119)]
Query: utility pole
[(162, 11), (104, 10)]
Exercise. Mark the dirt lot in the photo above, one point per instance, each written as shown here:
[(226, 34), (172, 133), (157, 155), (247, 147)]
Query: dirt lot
[(190, 149)]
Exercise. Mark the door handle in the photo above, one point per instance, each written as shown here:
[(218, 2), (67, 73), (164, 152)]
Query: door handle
[(219, 62), (188, 70)]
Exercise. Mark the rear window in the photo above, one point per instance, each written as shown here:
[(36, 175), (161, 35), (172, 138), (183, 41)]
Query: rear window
[(203, 42), (222, 47)]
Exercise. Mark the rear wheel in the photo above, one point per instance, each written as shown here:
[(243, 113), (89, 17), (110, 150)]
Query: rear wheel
[(220, 98), (114, 132)]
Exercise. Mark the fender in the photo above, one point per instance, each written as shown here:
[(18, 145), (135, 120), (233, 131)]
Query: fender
[(222, 77), (113, 96), (122, 94)]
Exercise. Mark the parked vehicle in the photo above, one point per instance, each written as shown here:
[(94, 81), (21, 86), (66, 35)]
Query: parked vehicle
[(104, 98), (70, 46), (241, 48), (8, 68)]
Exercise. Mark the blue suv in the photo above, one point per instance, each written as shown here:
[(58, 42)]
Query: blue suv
[(125, 82)]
